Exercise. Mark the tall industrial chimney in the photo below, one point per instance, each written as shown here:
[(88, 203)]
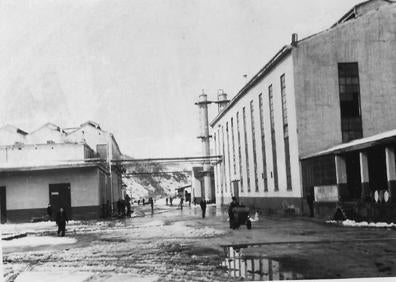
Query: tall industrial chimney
[(204, 136), (221, 100)]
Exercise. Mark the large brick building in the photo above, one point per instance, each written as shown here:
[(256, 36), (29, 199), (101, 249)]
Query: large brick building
[(315, 118)]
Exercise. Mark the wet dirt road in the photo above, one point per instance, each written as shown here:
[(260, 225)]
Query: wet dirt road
[(175, 245)]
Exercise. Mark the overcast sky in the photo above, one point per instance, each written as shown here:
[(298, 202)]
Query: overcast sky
[(137, 67)]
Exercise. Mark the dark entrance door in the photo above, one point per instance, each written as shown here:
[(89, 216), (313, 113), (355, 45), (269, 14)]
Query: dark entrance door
[(377, 169), (59, 195), (3, 207)]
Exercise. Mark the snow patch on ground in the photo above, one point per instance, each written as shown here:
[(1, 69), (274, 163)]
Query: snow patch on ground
[(353, 223), (53, 276), (32, 241)]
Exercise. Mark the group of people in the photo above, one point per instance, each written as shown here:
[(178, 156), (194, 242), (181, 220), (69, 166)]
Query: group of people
[(124, 206)]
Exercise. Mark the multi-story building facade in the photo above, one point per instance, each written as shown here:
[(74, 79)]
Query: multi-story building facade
[(317, 93)]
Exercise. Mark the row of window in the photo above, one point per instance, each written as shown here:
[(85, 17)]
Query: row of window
[(230, 152)]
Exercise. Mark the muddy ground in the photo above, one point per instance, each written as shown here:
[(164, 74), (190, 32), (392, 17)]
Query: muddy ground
[(175, 245)]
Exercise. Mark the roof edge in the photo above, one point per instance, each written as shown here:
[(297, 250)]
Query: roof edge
[(285, 50)]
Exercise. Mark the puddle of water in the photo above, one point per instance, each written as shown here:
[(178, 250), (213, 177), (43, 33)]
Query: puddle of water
[(255, 268)]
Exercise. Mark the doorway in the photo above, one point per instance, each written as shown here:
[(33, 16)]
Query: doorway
[(60, 197), (3, 204), (377, 169)]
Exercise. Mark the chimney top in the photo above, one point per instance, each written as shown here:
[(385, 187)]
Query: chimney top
[(294, 39)]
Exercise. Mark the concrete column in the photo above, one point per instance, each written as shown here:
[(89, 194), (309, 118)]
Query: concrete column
[(364, 176), (391, 172), (341, 176)]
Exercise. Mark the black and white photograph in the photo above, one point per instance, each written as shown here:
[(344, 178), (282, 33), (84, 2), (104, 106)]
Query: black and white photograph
[(197, 140)]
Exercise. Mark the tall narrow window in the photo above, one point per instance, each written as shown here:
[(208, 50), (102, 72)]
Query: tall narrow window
[(351, 120), (216, 174), (246, 149), (273, 141), (239, 152), (254, 145), (220, 167), (285, 132), (233, 145), (223, 162), (263, 143), (228, 155)]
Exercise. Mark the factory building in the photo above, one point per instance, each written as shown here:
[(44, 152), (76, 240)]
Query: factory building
[(69, 168), (316, 121)]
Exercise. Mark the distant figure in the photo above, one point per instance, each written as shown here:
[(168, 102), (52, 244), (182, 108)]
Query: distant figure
[(119, 207), (151, 204), (233, 205), (171, 200), (143, 201), (128, 204), (195, 201), (61, 219), (203, 207), (310, 202), (49, 211), (166, 201), (139, 202), (181, 202), (123, 206)]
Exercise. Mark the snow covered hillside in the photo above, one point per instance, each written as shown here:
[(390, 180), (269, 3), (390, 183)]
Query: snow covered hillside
[(155, 180)]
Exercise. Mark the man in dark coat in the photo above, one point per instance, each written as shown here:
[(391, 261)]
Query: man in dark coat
[(203, 207), (310, 201), (61, 220), (233, 205), (128, 204), (181, 202), (151, 204)]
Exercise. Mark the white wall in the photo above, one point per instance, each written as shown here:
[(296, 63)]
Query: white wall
[(29, 190), (273, 77), (39, 154), (93, 136)]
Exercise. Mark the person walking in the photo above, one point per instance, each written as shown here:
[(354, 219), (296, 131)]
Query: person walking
[(203, 207), (61, 219), (152, 205), (128, 204), (181, 202)]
